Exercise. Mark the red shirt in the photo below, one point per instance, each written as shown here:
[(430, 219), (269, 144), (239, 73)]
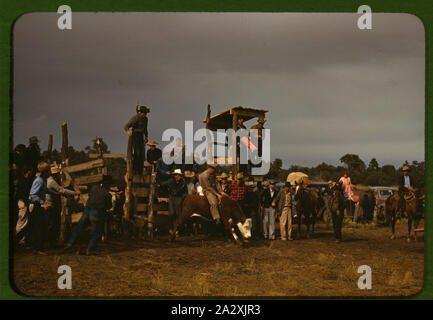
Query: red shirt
[(237, 192)]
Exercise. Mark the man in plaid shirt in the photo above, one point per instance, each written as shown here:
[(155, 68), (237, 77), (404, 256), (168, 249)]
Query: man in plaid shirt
[(238, 189)]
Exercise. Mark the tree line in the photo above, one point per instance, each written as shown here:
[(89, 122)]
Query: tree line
[(372, 174)]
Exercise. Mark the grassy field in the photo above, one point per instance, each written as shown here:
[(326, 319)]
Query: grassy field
[(206, 266)]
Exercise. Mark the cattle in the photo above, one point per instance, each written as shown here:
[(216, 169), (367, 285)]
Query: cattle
[(230, 211)]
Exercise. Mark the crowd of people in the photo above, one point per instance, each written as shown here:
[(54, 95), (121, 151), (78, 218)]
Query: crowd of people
[(37, 193)]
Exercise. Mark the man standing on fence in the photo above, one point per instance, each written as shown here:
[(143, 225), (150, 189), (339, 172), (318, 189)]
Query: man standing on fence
[(139, 134)]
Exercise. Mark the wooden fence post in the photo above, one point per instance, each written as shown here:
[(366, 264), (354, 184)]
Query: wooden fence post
[(65, 216)]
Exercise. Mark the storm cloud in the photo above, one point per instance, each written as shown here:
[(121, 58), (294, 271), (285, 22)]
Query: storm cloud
[(330, 87)]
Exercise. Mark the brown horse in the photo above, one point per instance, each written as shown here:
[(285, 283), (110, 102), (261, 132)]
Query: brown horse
[(414, 210), (366, 204), (230, 211), (306, 206)]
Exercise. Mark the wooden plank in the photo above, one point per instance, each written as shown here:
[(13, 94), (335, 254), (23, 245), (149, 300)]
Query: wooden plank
[(226, 160), (76, 216), (85, 166), (163, 200), (88, 179), (141, 179), (141, 192), (141, 207), (164, 213), (108, 155)]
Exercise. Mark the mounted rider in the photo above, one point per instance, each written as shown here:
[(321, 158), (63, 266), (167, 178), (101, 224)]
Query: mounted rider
[(405, 186)]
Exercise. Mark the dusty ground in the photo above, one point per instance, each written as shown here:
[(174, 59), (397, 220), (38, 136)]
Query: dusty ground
[(206, 266)]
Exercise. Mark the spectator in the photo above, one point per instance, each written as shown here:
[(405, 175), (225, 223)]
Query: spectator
[(55, 191), (98, 203), (154, 153), (22, 199), (252, 202), (177, 189), (38, 207), (237, 190), (33, 153), (284, 203), (269, 195), (162, 168)]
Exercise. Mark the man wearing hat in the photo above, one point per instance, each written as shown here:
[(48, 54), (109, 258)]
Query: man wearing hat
[(269, 195), (405, 184), (162, 168), (237, 189), (224, 183), (38, 207), (138, 124), (176, 190), (98, 203), (211, 189), (251, 206), (191, 182), (285, 203), (55, 191), (336, 206), (33, 153), (154, 153)]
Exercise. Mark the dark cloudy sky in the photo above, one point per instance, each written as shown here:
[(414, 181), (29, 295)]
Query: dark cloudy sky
[(330, 88)]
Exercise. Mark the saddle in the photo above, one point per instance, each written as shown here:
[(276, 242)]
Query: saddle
[(408, 196)]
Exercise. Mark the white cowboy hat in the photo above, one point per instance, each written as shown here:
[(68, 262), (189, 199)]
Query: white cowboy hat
[(177, 171)]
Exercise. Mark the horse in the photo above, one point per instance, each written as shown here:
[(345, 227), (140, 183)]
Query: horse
[(230, 211), (366, 206), (306, 205), (414, 210)]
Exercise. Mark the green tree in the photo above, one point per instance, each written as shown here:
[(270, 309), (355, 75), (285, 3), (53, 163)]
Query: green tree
[(352, 162), (373, 165)]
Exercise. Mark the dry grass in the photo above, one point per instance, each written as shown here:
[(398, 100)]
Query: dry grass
[(201, 267)]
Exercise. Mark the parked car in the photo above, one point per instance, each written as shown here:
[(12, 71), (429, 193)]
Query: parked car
[(381, 194)]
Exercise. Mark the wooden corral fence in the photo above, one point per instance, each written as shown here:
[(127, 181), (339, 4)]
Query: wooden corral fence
[(142, 204)]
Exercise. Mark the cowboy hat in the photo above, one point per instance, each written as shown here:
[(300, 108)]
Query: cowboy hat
[(177, 171), (43, 166), (239, 176), (152, 143), (212, 165), (55, 169), (33, 139), (142, 109), (266, 183), (250, 184), (405, 168), (224, 175), (189, 174)]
